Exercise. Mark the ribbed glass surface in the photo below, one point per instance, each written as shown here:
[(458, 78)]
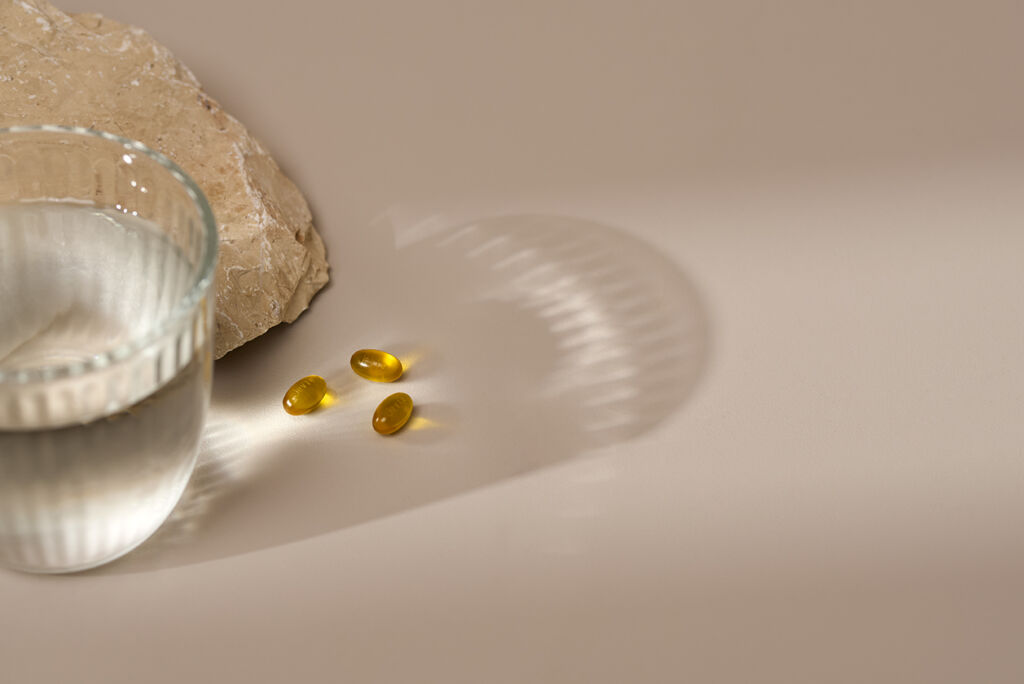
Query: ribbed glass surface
[(106, 261)]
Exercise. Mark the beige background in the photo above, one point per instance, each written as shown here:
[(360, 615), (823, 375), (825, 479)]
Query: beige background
[(750, 410)]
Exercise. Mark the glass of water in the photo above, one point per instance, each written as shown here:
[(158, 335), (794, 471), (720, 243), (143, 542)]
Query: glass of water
[(107, 254)]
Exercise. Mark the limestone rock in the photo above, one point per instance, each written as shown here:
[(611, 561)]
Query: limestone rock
[(87, 70)]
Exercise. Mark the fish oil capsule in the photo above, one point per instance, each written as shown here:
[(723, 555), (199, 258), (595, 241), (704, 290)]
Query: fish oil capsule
[(376, 365), (392, 413), (305, 395)]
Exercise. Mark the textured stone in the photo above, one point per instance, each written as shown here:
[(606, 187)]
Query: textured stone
[(87, 70)]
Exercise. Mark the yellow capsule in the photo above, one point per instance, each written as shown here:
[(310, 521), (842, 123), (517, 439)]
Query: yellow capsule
[(376, 365), (392, 413), (305, 395)]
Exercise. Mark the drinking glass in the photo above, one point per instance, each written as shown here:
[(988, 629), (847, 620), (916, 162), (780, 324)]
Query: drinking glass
[(107, 254)]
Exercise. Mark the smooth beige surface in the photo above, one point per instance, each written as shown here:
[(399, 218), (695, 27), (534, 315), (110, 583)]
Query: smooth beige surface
[(749, 411)]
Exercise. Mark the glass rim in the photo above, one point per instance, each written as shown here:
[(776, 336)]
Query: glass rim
[(201, 281)]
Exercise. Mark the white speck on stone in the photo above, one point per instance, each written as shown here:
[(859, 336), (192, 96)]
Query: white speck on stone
[(45, 24), (135, 81)]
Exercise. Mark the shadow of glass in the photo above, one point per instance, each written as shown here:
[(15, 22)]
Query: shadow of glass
[(529, 340)]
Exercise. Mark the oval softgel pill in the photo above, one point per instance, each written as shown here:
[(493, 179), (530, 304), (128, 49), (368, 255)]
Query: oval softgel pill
[(305, 395), (376, 365), (392, 413)]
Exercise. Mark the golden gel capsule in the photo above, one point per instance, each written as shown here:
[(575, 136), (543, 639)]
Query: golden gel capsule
[(376, 365), (392, 413), (305, 395)]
